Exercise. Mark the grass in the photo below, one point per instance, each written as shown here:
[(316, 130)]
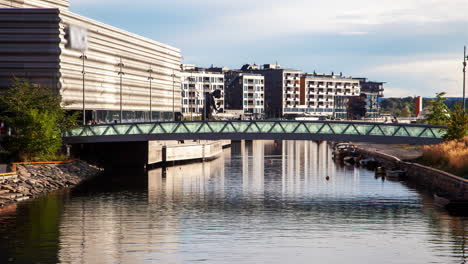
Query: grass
[(450, 156)]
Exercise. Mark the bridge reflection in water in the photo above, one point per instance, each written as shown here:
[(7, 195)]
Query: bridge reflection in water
[(262, 201)]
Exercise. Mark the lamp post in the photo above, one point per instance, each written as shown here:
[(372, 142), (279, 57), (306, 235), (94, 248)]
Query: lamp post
[(150, 78), (121, 73), (464, 78), (83, 58), (173, 95), (190, 97)]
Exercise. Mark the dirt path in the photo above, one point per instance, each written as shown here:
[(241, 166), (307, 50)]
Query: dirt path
[(403, 152)]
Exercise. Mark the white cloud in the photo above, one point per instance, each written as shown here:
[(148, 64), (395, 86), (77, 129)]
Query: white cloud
[(264, 19), (421, 76), (225, 28)]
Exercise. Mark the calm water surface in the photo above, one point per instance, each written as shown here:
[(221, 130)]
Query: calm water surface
[(261, 202)]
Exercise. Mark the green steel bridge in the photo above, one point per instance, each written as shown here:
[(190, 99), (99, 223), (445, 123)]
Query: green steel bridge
[(257, 130)]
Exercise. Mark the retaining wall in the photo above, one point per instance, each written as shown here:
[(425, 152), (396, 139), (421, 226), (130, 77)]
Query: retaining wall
[(430, 178)]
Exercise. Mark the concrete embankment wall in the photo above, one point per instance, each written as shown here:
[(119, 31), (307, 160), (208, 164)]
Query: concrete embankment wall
[(430, 178)]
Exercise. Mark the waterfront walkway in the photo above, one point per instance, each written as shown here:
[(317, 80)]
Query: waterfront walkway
[(403, 152)]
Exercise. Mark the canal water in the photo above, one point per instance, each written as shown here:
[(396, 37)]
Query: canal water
[(260, 202)]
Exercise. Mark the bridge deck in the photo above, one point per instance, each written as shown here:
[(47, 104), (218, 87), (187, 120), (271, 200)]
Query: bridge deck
[(265, 129)]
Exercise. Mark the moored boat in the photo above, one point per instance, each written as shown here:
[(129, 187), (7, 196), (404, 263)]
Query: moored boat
[(446, 201), (395, 174)]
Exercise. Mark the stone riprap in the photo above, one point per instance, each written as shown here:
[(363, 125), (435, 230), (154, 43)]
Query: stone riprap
[(34, 180)]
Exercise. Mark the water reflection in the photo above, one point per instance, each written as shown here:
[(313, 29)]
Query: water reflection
[(260, 202)]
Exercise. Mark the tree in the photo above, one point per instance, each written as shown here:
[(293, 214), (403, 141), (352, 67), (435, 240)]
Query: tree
[(357, 107), (36, 118), (457, 124), (405, 112), (398, 106), (438, 112)]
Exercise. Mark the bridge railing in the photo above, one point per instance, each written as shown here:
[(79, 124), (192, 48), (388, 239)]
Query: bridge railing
[(261, 127)]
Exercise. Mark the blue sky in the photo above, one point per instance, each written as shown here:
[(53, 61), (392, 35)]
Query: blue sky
[(416, 46)]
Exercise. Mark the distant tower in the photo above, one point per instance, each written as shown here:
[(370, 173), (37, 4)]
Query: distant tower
[(418, 105)]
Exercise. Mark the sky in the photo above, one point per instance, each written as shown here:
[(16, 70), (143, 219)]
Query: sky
[(415, 46)]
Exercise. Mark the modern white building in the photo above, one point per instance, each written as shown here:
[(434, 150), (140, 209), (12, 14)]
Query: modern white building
[(325, 94), (246, 92), (281, 88), (195, 82), (290, 92), (113, 74)]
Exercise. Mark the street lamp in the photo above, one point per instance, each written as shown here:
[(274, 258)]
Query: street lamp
[(173, 95), (150, 78), (121, 73), (190, 97), (83, 58), (464, 77)]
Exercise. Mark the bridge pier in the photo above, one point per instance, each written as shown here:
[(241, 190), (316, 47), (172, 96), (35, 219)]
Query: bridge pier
[(115, 155), (118, 155)]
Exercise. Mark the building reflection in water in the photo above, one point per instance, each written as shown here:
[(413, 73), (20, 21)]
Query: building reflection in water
[(161, 224)]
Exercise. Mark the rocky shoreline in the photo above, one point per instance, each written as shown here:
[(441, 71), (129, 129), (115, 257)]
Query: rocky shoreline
[(38, 179)]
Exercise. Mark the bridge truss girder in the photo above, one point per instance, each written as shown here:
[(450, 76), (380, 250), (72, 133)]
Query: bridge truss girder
[(251, 130)]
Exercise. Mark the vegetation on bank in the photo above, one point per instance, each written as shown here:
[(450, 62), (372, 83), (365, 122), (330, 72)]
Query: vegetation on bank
[(405, 107), (36, 119), (450, 156)]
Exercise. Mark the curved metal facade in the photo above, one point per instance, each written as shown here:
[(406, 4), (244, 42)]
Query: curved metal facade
[(33, 46)]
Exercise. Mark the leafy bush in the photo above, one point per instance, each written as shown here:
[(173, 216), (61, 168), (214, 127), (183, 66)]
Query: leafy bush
[(37, 120), (438, 111), (457, 124)]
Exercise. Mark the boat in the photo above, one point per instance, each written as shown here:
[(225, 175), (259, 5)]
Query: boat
[(379, 171), (395, 174), (446, 201), (342, 150), (349, 159), (369, 163)]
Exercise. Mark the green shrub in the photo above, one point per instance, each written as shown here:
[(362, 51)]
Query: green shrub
[(37, 120)]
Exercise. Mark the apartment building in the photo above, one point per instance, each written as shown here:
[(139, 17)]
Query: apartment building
[(373, 91), (195, 82), (290, 92), (326, 94), (278, 83), (246, 92)]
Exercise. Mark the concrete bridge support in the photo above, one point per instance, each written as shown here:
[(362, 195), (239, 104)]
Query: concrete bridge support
[(114, 155)]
